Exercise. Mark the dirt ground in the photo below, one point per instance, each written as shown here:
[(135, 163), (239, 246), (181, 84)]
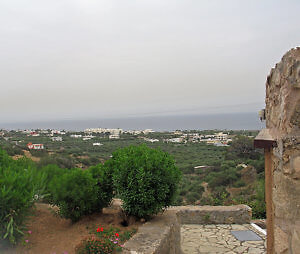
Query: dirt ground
[(28, 155), (51, 234)]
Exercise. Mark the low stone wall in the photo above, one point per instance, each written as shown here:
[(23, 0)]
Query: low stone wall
[(239, 214), (162, 234)]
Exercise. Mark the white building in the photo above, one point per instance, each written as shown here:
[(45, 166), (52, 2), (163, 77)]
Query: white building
[(56, 138), (57, 132), (147, 131), (114, 136), (174, 140), (89, 136), (43, 131), (76, 136), (220, 144), (27, 131), (221, 136), (35, 146), (104, 130), (134, 132), (178, 132), (97, 144), (152, 140)]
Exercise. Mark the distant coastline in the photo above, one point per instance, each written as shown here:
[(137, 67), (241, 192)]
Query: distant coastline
[(234, 121)]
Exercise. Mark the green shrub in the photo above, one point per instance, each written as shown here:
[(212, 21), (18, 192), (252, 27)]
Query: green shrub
[(258, 204), (178, 201), (39, 153), (62, 161), (75, 193), (103, 177), (183, 192), (222, 178), (13, 150), (239, 183), (197, 187), (192, 197), (20, 185), (145, 179), (52, 172), (5, 160)]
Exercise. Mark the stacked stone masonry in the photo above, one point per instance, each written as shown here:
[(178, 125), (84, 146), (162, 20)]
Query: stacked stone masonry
[(283, 122)]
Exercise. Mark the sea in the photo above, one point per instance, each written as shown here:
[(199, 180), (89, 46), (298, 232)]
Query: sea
[(232, 121)]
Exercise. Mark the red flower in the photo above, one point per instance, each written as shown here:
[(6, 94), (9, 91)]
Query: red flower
[(101, 229), (98, 229), (116, 234)]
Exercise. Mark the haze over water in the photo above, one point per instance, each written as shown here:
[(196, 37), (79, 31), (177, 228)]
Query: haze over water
[(234, 121), (66, 59)]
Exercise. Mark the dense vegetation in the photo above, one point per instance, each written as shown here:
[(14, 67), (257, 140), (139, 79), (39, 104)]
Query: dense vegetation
[(151, 176), (229, 175), (20, 185), (238, 178)]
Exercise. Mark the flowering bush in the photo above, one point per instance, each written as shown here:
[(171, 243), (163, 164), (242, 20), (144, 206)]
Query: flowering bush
[(145, 179), (95, 245), (104, 241)]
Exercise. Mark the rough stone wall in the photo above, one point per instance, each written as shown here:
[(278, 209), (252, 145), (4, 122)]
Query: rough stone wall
[(161, 235), (283, 121), (238, 214)]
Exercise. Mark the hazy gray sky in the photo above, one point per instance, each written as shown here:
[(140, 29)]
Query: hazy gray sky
[(95, 58)]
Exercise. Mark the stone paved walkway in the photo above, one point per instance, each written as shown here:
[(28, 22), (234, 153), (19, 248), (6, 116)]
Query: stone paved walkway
[(218, 239)]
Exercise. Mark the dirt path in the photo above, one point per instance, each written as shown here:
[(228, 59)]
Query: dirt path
[(28, 155)]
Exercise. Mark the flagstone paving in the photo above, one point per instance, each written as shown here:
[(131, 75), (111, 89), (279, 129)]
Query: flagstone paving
[(208, 239)]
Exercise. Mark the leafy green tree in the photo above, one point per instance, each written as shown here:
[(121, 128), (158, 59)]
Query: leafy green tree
[(242, 146), (145, 179)]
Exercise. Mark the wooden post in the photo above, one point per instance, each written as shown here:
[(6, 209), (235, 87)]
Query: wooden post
[(268, 198), (265, 140)]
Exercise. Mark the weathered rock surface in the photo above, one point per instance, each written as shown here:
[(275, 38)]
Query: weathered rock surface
[(283, 121)]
